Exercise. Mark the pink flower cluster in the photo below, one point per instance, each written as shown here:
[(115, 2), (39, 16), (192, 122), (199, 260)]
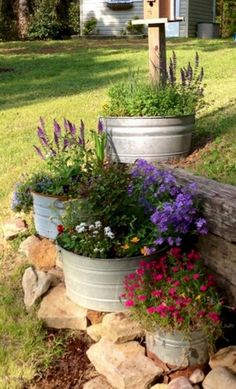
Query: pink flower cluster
[(174, 291)]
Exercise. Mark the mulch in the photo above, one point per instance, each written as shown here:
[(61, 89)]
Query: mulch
[(71, 370)]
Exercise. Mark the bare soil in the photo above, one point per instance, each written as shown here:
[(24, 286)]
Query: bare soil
[(71, 370)]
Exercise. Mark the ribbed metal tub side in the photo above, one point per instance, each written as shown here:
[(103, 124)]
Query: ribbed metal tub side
[(97, 283), (47, 213), (176, 350), (150, 138)]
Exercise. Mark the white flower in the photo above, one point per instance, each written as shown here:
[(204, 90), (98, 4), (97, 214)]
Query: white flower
[(91, 227), (98, 224), (95, 233), (81, 228), (108, 232)]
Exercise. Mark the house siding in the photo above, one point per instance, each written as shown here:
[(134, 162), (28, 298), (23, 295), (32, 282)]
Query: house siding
[(199, 11), (109, 22), (183, 11)]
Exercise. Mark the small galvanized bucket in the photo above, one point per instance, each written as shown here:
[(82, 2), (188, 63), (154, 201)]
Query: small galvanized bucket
[(175, 350), (47, 213)]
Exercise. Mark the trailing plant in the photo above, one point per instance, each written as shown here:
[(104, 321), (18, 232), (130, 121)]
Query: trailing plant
[(175, 293)]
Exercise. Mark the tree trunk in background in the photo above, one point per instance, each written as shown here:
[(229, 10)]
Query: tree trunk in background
[(23, 15)]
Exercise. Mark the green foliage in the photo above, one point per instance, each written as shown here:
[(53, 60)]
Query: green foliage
[(134, 29), (90, 26), (74, 18), (175, 293), (44, 23), (226, 16), (135, 97)]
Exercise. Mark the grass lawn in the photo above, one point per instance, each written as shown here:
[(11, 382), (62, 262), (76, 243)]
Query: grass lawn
[(70, 79)]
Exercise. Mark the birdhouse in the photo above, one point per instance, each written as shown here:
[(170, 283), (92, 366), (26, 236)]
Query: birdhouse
[(159, 9)]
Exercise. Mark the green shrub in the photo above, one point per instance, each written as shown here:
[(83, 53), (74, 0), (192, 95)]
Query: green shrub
[(89, 26), (74, 18), (44, 23), (134, 29)]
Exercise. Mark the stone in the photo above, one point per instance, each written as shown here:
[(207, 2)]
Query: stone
[(125, 366), (226, 357), (27, 244), (220, 378), (13, 227), (95, 317), (95, 331), (57, 311), (98, 382), (160, 386), (180, 383), (43, 254), (35, 283), (119, 327), (196, 387), (197, 376), (58, 275)]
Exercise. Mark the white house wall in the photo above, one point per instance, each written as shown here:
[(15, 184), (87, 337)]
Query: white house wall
[(110, 22)]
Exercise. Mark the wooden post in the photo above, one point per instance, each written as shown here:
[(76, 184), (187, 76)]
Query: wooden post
[(156, 39), (157, 52)]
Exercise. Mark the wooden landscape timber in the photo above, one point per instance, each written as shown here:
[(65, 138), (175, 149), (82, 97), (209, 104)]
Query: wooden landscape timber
[(219, 208)]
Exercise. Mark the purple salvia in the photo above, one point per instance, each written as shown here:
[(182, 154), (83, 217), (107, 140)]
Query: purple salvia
[(182, 74), (100, 127), (171, 73), (39, 152), (42, 137), (57, 132), (66, 143), (81, 138), (66, 125), (72, 128), (201, 74), (196, 60)]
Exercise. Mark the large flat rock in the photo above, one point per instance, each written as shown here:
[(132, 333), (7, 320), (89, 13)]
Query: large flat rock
[(226, 357), (13, 227), (220, 378), (57, 311), (35, 284), (125, 366)]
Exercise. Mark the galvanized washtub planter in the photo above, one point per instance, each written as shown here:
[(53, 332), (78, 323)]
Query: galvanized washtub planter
[(47, 213), (97, 283), (151, 138), (176, 350)]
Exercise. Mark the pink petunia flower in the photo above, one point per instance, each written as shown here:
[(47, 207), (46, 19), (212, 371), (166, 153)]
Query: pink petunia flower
[(214, 316), (172, 291), (142, 297), (157, 293), (129, 303), (158, 277), (151, 310), (196, 276), (203, 288)]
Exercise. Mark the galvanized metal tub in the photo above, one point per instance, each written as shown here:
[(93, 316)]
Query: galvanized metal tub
[(47, 213), (176, 350), (97, 283), (150, 138)]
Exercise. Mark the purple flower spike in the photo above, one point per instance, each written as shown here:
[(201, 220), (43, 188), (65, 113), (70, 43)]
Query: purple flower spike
[(42, 136), (72, 128), (81, 138), (57, 132), (100, 126), (66, 125), (39, 152), (66, 143)]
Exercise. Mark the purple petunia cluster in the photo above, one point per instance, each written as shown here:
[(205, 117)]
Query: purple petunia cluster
[(172, 208)]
